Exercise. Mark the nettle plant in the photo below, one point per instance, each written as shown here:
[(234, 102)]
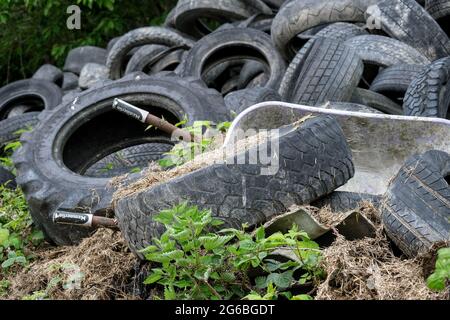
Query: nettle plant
[(440, 279), (198, 262), (183, 152)]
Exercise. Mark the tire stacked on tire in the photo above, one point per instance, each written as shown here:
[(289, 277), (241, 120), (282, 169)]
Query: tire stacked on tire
[(210, 60)]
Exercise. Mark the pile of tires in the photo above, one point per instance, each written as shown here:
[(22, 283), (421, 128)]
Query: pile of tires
[(209, 61)]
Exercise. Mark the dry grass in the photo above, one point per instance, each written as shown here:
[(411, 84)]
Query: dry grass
[(367, 269), (97, 269)]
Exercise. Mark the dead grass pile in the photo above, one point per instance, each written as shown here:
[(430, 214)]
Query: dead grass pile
[(367, 269), (97, 269)]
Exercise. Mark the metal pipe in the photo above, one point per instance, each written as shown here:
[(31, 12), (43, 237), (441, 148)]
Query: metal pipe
[(145, 117), (83, 220)]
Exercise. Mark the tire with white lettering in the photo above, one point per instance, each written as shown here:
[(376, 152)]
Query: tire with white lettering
[(314, 160)]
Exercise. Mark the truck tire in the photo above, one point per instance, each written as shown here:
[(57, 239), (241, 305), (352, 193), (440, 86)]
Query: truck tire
[(53, 160)]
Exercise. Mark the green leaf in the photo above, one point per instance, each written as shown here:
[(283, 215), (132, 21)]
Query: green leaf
[(152, 278), (169, 293), (8, 263), (437, 281), (260, 233), (4, 235), (303, 297)]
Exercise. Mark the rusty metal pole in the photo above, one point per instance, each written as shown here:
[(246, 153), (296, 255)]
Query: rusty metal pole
[(145, 117)]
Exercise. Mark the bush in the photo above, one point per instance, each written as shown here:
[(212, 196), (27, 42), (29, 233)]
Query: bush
[(34, 32)]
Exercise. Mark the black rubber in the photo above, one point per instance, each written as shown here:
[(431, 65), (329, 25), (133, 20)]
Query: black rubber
[(429, 93), (416, 210), (240, 100), (408, 22), (340, 202), (10, 128), (331, 72), (440, 11), (52, 160), (339, 31), (235, 44), (139, 37), (50, 73), (384, 51), (78, 57), (70, 81), (125, 161), (39, 94), (249, 72), (298, 16), (393, 82), (376, 101), (314, 160), (7, 179), (143, 56), (187, 15)]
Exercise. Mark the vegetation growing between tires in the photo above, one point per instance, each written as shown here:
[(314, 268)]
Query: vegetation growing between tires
[(195, 260)]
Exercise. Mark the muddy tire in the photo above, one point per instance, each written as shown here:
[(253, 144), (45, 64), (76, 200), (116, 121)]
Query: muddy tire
[(240, 100), (429, 93), (38, 94), (239, 194), (416, 210), (384, 51), (393, 82), (247, 43), (340, 202), (78, 57), (53, 160), (187, 15), (331, 72), (139, 37), (408, 22), (376, 101), (298, 16)]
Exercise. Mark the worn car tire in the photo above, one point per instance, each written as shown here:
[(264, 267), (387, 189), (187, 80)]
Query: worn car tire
[(78, 57), (70, 81), (339, 31), (128, 159), (40, 94), (384, 51), (416, 210), (187, 15), (331, 72), (314, 161), (393, 82), (240, 100), (218, 47), (376, 101), (144, 56), (408, 22), (51, 163), (340, 202), (140, 37), (298, 16), (429, 93), (50, 73)]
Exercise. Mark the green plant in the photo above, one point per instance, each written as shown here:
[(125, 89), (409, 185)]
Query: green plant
[(34, 32), (16, 232), (183, 152), (439, 280), (197, 263)]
